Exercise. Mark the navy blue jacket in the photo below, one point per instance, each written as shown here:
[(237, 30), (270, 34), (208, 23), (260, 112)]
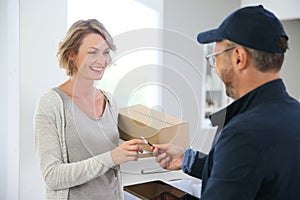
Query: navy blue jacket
[(257, 154)]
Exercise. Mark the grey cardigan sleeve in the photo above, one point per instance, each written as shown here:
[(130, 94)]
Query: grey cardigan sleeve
[(51, 149)]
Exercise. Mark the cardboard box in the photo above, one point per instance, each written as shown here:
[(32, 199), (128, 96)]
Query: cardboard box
[(157, 127)]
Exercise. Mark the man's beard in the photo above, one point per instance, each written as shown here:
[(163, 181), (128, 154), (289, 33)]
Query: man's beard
[(227, 75)]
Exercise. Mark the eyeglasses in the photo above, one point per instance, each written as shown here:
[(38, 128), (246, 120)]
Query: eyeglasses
[(211, 58)]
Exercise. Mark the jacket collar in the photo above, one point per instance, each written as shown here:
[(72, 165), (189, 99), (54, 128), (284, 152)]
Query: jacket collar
[(272, 90)]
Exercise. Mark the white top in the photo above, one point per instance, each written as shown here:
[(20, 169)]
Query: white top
[(69, 171)]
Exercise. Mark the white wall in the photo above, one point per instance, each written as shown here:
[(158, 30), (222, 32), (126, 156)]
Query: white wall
[(3, 101), (9, 101), (42, 25), (291, 68), (284, 10)]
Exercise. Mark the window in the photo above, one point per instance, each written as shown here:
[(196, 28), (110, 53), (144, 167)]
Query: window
[(134, 74)]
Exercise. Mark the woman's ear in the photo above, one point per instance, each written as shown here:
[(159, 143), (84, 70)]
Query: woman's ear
[(72, 61), (72, 57)]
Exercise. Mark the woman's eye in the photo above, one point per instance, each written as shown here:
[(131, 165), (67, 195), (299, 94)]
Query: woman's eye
[(105, 53), (92, 52)]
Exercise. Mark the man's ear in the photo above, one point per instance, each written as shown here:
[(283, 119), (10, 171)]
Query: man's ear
[(240, 58)]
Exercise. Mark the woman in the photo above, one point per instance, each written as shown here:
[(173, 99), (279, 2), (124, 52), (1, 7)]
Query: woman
[(76, 124)]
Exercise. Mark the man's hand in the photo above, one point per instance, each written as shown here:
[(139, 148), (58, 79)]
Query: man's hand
[(168, 156)]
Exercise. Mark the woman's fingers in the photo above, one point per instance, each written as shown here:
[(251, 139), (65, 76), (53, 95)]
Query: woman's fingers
[(133, 145), (136, 141)]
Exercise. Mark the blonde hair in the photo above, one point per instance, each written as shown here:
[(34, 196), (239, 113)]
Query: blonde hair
[(73, 39)]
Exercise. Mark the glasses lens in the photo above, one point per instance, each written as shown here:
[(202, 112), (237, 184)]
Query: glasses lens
[(211, 61)]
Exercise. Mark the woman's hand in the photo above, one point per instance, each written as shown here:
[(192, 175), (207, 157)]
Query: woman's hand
[(127, 151)]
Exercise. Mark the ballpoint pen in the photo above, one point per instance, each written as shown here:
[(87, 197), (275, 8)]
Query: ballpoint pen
[(147, 141)]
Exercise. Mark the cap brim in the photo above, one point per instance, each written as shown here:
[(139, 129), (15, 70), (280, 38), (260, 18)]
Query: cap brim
[(209, 36)]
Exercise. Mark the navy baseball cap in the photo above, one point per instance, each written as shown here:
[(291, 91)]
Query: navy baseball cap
[(253, 27)]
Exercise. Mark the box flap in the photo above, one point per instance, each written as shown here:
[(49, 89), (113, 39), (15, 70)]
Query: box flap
[(149, 116)]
